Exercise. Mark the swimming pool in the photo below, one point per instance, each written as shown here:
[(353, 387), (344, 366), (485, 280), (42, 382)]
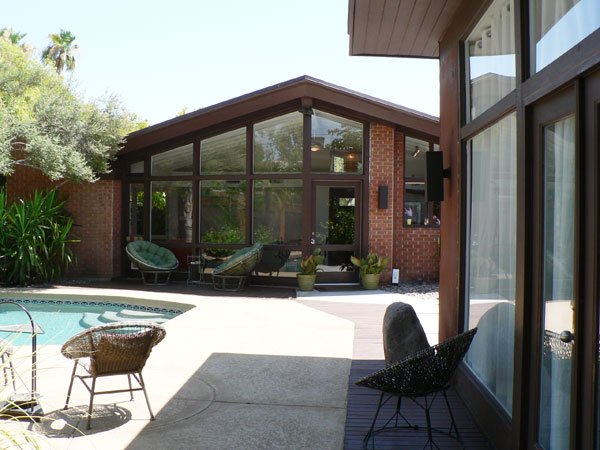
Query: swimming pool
[(61, 319)]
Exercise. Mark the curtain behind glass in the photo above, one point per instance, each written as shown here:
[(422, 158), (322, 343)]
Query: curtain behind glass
[(491, 259)]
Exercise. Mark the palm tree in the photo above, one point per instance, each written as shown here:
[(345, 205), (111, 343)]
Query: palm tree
[(60, 52), (10, 35)]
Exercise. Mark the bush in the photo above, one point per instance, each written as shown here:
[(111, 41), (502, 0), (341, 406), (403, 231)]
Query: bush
[(34, 238), (226, 234)]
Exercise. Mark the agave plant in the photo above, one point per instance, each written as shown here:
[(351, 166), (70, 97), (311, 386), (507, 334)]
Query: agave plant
[(371, 264), (308, 266)]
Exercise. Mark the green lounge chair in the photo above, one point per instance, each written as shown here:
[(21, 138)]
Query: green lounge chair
[(233, 274), (152, 259)]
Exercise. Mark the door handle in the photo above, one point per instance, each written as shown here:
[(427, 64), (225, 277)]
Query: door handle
[(312, 241), (566, 336)]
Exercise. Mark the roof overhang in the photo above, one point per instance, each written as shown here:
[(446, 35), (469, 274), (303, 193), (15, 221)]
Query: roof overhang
[(289, 92), (410, 28)]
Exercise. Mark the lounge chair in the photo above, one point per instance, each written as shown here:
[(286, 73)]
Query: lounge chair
[(233, 274), (152, 259), (112, 349)]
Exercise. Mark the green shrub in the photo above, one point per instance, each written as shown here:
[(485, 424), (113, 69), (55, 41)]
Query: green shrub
[(34, 239), (226, 234)]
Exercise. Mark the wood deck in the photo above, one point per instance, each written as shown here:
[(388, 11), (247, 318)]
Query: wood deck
[(362, 402)]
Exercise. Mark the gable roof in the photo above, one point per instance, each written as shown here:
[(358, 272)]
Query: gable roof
[(294, 90)]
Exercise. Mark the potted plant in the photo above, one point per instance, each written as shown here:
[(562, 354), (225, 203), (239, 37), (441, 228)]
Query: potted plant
[(370, 269), (308, 270)]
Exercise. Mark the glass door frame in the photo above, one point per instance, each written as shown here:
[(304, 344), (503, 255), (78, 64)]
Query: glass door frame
[(342, 277)]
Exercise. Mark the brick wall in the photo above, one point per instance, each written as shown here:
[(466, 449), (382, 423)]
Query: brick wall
[(412, 250), (96, 211)]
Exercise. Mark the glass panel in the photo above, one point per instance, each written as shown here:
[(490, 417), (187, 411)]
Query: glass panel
[(171, 211), (336, 261), (335, 215), (490, 57), (278, 144), (277, 211), (136, 212), (178, 161), (491, 256), (137, 168), (558, 25), (416, 210), (223, 212), (225, 153), (559, 235), (414, 157), (336, 144)]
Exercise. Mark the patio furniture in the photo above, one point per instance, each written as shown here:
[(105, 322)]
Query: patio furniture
[(112, 349), (6, 355), (195, 266), (233, 274), (424, 374), (272, 261), (152, 259)]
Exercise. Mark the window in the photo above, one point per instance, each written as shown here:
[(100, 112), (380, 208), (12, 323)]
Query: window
[(491, 255), (171, 211), (136, 211), (336, 144), (178, 161), (556, 26), (417, 211), (223, 211), (490, 58), (278, 144), (136, 168), (225, 153), (277, 211)]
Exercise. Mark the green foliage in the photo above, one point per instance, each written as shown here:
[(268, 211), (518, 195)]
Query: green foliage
[(226, 234), (60, 51), (46, 125), (159, 200), (264, 235), (308, 266), (371, 264), (34, 239)]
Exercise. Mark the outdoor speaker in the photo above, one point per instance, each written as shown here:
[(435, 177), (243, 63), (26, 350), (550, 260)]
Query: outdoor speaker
[(383, 197), (434, 177)]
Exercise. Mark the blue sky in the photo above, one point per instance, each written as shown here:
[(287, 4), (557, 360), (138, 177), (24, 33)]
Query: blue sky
[(160, 57)]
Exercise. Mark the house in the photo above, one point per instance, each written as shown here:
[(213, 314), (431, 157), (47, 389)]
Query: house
[(519, 95), (297, 166)]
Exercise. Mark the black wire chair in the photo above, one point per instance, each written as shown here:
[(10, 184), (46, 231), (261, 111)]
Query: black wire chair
[(425, 374)]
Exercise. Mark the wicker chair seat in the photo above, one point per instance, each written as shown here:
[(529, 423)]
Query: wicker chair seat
[(241, 262)]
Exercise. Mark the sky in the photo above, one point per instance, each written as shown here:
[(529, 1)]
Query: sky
[(162, 56)]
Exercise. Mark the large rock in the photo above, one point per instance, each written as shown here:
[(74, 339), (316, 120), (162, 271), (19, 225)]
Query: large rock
[(403, 334)]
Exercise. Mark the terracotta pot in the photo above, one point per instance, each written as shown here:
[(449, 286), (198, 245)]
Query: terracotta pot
[(370, 280), (306, 282)]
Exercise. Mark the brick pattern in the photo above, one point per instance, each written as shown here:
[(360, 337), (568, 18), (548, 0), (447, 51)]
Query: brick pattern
[(412, 250), (96, 211)]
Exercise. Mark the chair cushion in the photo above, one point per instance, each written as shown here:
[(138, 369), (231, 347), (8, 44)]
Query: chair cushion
[(242, 262), (149, 256)]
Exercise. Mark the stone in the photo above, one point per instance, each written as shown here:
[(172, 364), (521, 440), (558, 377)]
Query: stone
[(403, 334)]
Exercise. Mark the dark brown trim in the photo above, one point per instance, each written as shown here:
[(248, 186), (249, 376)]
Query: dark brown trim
[(490, 116)]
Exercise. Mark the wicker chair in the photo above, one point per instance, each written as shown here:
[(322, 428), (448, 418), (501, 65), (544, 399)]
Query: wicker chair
[(151, 259), (112, 349), (233, 274), (424, 374)]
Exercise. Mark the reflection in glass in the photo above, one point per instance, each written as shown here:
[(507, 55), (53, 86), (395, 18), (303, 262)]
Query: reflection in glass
[(225, 153), (336, 261), (137, 168), (491, 255), (178, 161), (171, 207), (222, 213), (559, 235), (136, 211), (490, 57), (414, 157), (557, 26), (335, 215), (278, 144), (336, 144), (277, 211), (416, 209)]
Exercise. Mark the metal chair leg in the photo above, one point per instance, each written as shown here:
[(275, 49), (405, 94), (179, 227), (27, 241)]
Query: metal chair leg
[(370, 433), (89, 421), (141, 381), (453, 424), (70, 386), (130, 387)]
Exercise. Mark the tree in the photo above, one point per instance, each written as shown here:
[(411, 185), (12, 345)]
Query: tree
[(45, 124), (60, 51), (10, 35)]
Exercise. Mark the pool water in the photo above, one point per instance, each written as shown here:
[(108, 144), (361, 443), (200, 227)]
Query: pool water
[(62, 319)]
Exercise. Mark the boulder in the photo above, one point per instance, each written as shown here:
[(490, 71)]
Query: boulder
[(403, 334)]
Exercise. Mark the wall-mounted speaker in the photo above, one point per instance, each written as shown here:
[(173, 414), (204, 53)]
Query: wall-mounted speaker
[(434, 176), (383, 197)]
